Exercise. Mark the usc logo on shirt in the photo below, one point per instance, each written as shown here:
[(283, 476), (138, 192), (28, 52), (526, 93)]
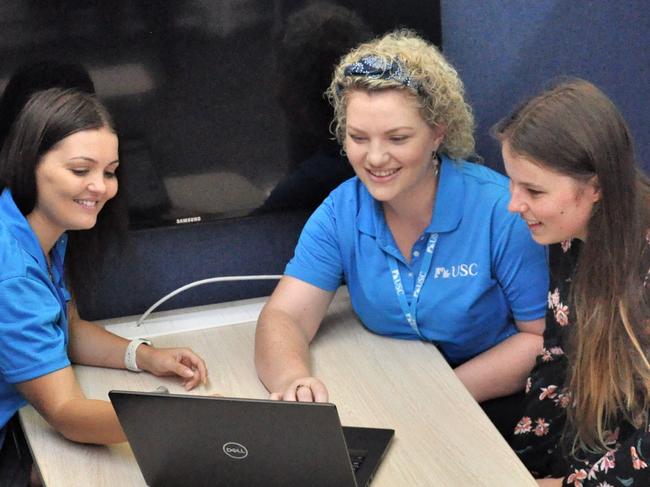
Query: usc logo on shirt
[(460, 270)]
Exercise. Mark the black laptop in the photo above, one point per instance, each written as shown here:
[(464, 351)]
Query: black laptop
[(184, 440)]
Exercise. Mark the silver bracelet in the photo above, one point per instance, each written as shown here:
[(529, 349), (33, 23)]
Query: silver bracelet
[(129, 355)]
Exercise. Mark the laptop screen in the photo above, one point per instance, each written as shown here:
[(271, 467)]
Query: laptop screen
[(206, 440)]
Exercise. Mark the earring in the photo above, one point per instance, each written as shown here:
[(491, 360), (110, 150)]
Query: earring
[(436, 162)]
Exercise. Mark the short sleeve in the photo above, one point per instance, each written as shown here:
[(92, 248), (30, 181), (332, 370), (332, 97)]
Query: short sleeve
[(317, 257), (520, 264), (32, 340)]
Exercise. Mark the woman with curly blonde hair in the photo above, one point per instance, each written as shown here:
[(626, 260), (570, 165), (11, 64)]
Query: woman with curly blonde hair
[(421, 236)]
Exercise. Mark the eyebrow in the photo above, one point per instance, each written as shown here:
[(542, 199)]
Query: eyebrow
[(396, 129), (531, 185), (91, 160)]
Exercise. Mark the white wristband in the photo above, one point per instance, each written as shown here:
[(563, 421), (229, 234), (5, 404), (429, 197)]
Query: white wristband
[(129, 356)]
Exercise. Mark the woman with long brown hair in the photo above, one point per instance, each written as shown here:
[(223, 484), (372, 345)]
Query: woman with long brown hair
[(575, 182)]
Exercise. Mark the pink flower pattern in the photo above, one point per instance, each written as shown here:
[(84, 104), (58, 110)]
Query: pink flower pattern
[(563, 400), (554, 298), (548, 392), (539, 432), (523, 426), (560, 310), (562, 315), (541, 427), (577, 477), (606, 462)]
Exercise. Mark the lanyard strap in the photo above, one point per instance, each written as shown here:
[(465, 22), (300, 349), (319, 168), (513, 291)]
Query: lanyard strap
[(410, 311)]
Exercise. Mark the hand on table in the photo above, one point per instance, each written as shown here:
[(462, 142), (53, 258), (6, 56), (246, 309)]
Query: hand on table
[(182, 362), (304, 389)]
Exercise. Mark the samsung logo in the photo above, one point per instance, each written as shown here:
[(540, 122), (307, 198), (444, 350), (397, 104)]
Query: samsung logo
[(235, 450), (189, 219)]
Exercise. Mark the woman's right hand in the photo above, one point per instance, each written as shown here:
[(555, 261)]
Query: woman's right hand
[(303, 389), (286, 326)]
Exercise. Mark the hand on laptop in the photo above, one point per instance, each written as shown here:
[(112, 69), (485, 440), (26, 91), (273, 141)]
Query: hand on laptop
[(182, 362), (304, 389)]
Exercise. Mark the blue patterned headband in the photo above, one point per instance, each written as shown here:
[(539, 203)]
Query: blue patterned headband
[(376, 67)]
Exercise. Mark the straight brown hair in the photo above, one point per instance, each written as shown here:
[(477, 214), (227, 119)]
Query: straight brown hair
[(573, 128)]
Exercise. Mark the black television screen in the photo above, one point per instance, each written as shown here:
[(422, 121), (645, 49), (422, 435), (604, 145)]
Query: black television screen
[(218, 104)]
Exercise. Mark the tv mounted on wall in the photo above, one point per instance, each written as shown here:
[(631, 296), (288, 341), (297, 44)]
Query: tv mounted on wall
[(218, 103)]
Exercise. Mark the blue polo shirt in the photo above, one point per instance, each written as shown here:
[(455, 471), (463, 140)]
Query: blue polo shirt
[(485, 271), (33, 321)]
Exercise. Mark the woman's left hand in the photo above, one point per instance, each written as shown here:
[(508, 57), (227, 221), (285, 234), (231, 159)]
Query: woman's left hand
[(550, 482), (182, 362)]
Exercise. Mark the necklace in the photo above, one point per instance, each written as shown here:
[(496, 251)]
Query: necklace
[(48, 264)]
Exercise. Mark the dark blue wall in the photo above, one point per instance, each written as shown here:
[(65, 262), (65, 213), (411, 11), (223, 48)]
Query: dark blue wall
[(506, 51), (159, 260)]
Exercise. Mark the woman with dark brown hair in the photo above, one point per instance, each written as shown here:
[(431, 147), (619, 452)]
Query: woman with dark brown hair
[(575, 182), (58, 175)]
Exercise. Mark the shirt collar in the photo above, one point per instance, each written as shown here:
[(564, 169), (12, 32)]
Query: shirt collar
[(371, 221), (19, 227), (450, 197), (447, 213)]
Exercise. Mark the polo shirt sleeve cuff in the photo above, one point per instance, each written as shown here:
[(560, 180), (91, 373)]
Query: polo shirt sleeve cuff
[(39, 370), (318, 280), (529, 314)]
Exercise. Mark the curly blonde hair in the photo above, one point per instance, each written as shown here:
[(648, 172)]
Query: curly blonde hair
[(435, 85)]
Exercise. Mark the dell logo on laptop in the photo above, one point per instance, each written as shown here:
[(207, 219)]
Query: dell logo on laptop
[(235, 450)]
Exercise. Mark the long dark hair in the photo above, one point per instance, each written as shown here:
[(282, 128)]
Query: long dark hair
[(38, 76), (47, 118), (574, 129)]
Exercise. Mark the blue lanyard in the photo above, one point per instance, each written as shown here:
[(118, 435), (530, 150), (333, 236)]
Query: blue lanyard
[(410, 311)]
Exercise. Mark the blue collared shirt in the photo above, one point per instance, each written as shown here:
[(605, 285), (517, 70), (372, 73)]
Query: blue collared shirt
[(33, 320), (485, 273)]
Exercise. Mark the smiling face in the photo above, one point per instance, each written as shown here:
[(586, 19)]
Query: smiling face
[(389, 144), (555, 206), (74, 180)]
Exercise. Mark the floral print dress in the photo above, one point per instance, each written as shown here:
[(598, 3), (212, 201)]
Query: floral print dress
[(538, 434)]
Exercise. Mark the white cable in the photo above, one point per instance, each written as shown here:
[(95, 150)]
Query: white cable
[(199, 283)]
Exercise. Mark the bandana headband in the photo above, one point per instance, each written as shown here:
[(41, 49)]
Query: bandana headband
[(376, 67)]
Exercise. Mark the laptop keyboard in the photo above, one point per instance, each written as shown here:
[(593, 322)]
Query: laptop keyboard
[(356, 460)]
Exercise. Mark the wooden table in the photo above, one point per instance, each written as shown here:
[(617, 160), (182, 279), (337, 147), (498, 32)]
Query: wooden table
[(442, 437)]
